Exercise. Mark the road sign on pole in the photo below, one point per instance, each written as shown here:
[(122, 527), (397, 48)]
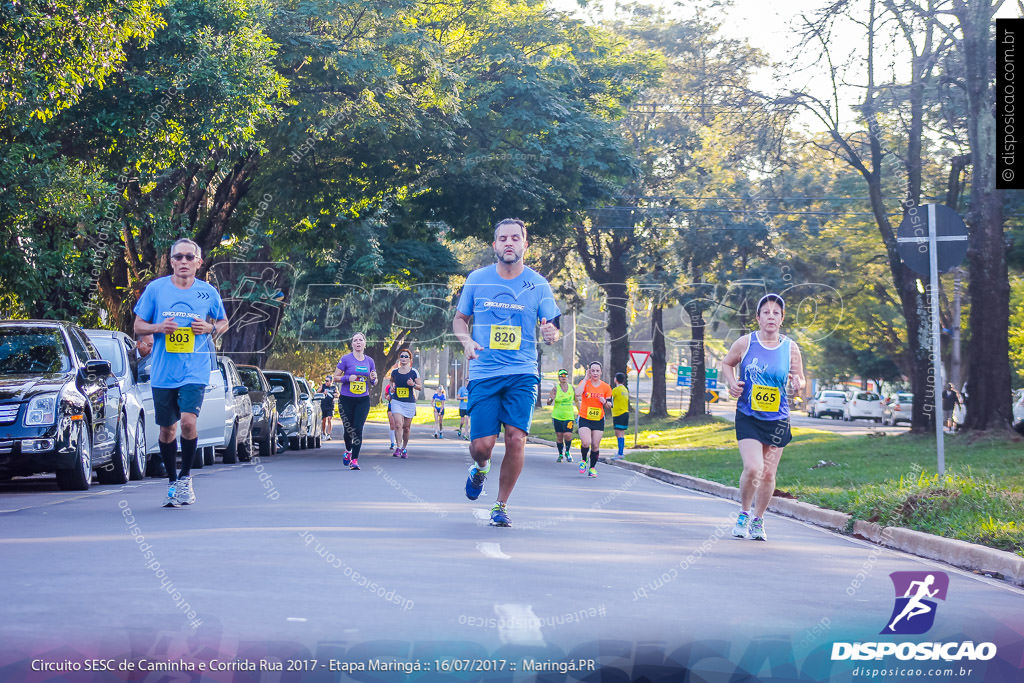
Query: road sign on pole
[(639, 359), (932, 239), (683, 376), (711, 379)]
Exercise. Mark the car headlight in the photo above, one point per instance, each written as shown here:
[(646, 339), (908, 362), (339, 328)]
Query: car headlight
[(257, 410), (42, 410), (289, 411)]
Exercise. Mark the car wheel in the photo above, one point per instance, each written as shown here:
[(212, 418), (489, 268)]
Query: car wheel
[(209, 455), (293, 443), (198, 459), (79, 477), (878, 420), (231, 452), (316, 442), (119, 467), (138, 464), (245, 452), (303, 443)]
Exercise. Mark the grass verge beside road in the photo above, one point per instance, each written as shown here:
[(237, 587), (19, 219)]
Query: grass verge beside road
[(890, 480), (887, 479)]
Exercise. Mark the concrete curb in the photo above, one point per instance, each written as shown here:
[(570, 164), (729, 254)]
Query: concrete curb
[(970, 556)]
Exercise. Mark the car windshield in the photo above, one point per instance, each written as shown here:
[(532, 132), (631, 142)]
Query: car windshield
[(303, 387), (833, 394), (250, 378), (868, 396), (905, 398), (32, 351), (286, 396), (110, 349)]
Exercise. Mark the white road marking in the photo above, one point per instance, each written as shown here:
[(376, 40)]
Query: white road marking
[(492, 550), (518, 625), (296, 619), (482, 514)]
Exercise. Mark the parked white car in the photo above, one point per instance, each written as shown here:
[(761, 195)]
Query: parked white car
[(864, 405), (237, 423), (119, 349), (1018, 410), (898, 409), (211, 416), (827, 402)]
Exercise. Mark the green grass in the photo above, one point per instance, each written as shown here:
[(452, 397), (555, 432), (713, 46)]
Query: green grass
[(891, 480)]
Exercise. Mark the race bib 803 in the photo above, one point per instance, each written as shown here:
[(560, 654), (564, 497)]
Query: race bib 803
[(180, 341)]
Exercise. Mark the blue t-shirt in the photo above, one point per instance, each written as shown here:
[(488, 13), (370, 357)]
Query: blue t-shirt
[(765, 373), (463, 398), (438, 399), (505, 315), (162, 300)]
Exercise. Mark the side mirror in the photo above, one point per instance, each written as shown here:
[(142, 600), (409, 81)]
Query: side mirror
[(240, 391), (96, 368), (277, 390), (143, 376), (318, 397), (304, 397)]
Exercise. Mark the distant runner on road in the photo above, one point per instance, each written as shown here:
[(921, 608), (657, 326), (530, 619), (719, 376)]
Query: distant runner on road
[(563, 415), (177, 310), (463, 395), (354, 375), (767, 361), (406, 382), (505, 302), (595, 399), (437, 401), (620, 412)]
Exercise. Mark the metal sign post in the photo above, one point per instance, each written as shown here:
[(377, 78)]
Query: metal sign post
[(639, 370), (946, 246)]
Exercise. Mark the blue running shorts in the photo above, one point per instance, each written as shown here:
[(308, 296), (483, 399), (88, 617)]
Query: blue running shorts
[(495, 401)]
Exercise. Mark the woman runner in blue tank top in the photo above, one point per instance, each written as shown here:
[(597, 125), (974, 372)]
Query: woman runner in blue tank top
[(768, 361)]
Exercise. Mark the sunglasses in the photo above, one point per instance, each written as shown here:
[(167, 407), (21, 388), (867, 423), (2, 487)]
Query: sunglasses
[(405, 356), (185, 257)]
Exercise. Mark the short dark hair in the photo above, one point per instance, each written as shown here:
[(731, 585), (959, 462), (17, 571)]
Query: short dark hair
[(620, 377), (595, 362), (509, 221)]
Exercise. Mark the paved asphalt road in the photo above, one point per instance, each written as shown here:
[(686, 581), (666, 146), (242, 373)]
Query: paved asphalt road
[(296, 559)]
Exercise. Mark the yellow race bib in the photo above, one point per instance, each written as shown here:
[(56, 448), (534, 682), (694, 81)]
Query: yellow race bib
[(180, 341), (595, 413), (402, 392), (765, 399), (506, 337), (358, 387)]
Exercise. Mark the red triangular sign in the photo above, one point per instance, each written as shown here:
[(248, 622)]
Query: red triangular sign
[(639, 359)]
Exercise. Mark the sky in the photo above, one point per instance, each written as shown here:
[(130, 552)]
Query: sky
[(772, 27)]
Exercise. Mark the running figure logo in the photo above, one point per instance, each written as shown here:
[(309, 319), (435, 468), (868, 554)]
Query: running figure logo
[(914, 611)]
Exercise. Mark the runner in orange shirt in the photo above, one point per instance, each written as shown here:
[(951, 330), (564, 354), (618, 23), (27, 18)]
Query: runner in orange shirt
[(594, 398)]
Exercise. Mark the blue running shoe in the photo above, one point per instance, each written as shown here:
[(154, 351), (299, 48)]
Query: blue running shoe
[(475, 482), (583, 467), (499, 515), (347, 459)]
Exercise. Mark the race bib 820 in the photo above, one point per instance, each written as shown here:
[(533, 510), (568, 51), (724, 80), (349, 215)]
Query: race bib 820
[(506, 337)]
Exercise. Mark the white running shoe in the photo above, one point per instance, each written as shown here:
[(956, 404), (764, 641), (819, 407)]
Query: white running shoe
[(740, 530), (185, 495)]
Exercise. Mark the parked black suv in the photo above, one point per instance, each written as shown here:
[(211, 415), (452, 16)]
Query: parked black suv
[(264, 408), (60, 406)]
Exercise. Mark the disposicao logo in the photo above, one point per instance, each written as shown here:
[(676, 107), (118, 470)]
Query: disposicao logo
[(916, 592), (913, 614)]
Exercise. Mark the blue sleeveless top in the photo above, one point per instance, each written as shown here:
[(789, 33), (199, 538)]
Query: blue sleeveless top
[(765, 373)]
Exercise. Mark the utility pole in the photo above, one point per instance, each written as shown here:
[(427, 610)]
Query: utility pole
[(954, 361)]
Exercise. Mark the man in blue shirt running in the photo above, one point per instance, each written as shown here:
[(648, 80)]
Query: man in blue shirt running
[(178, 310), (505, 301)]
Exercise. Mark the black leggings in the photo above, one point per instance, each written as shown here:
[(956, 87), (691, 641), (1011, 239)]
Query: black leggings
[(353, 411)]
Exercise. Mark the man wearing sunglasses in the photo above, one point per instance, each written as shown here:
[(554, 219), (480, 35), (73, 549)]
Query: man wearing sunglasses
[(177, 310), (506, 302)]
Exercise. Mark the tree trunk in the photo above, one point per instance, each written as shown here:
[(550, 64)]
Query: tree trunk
[(617, 302), (659, 400), (988, 351)]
